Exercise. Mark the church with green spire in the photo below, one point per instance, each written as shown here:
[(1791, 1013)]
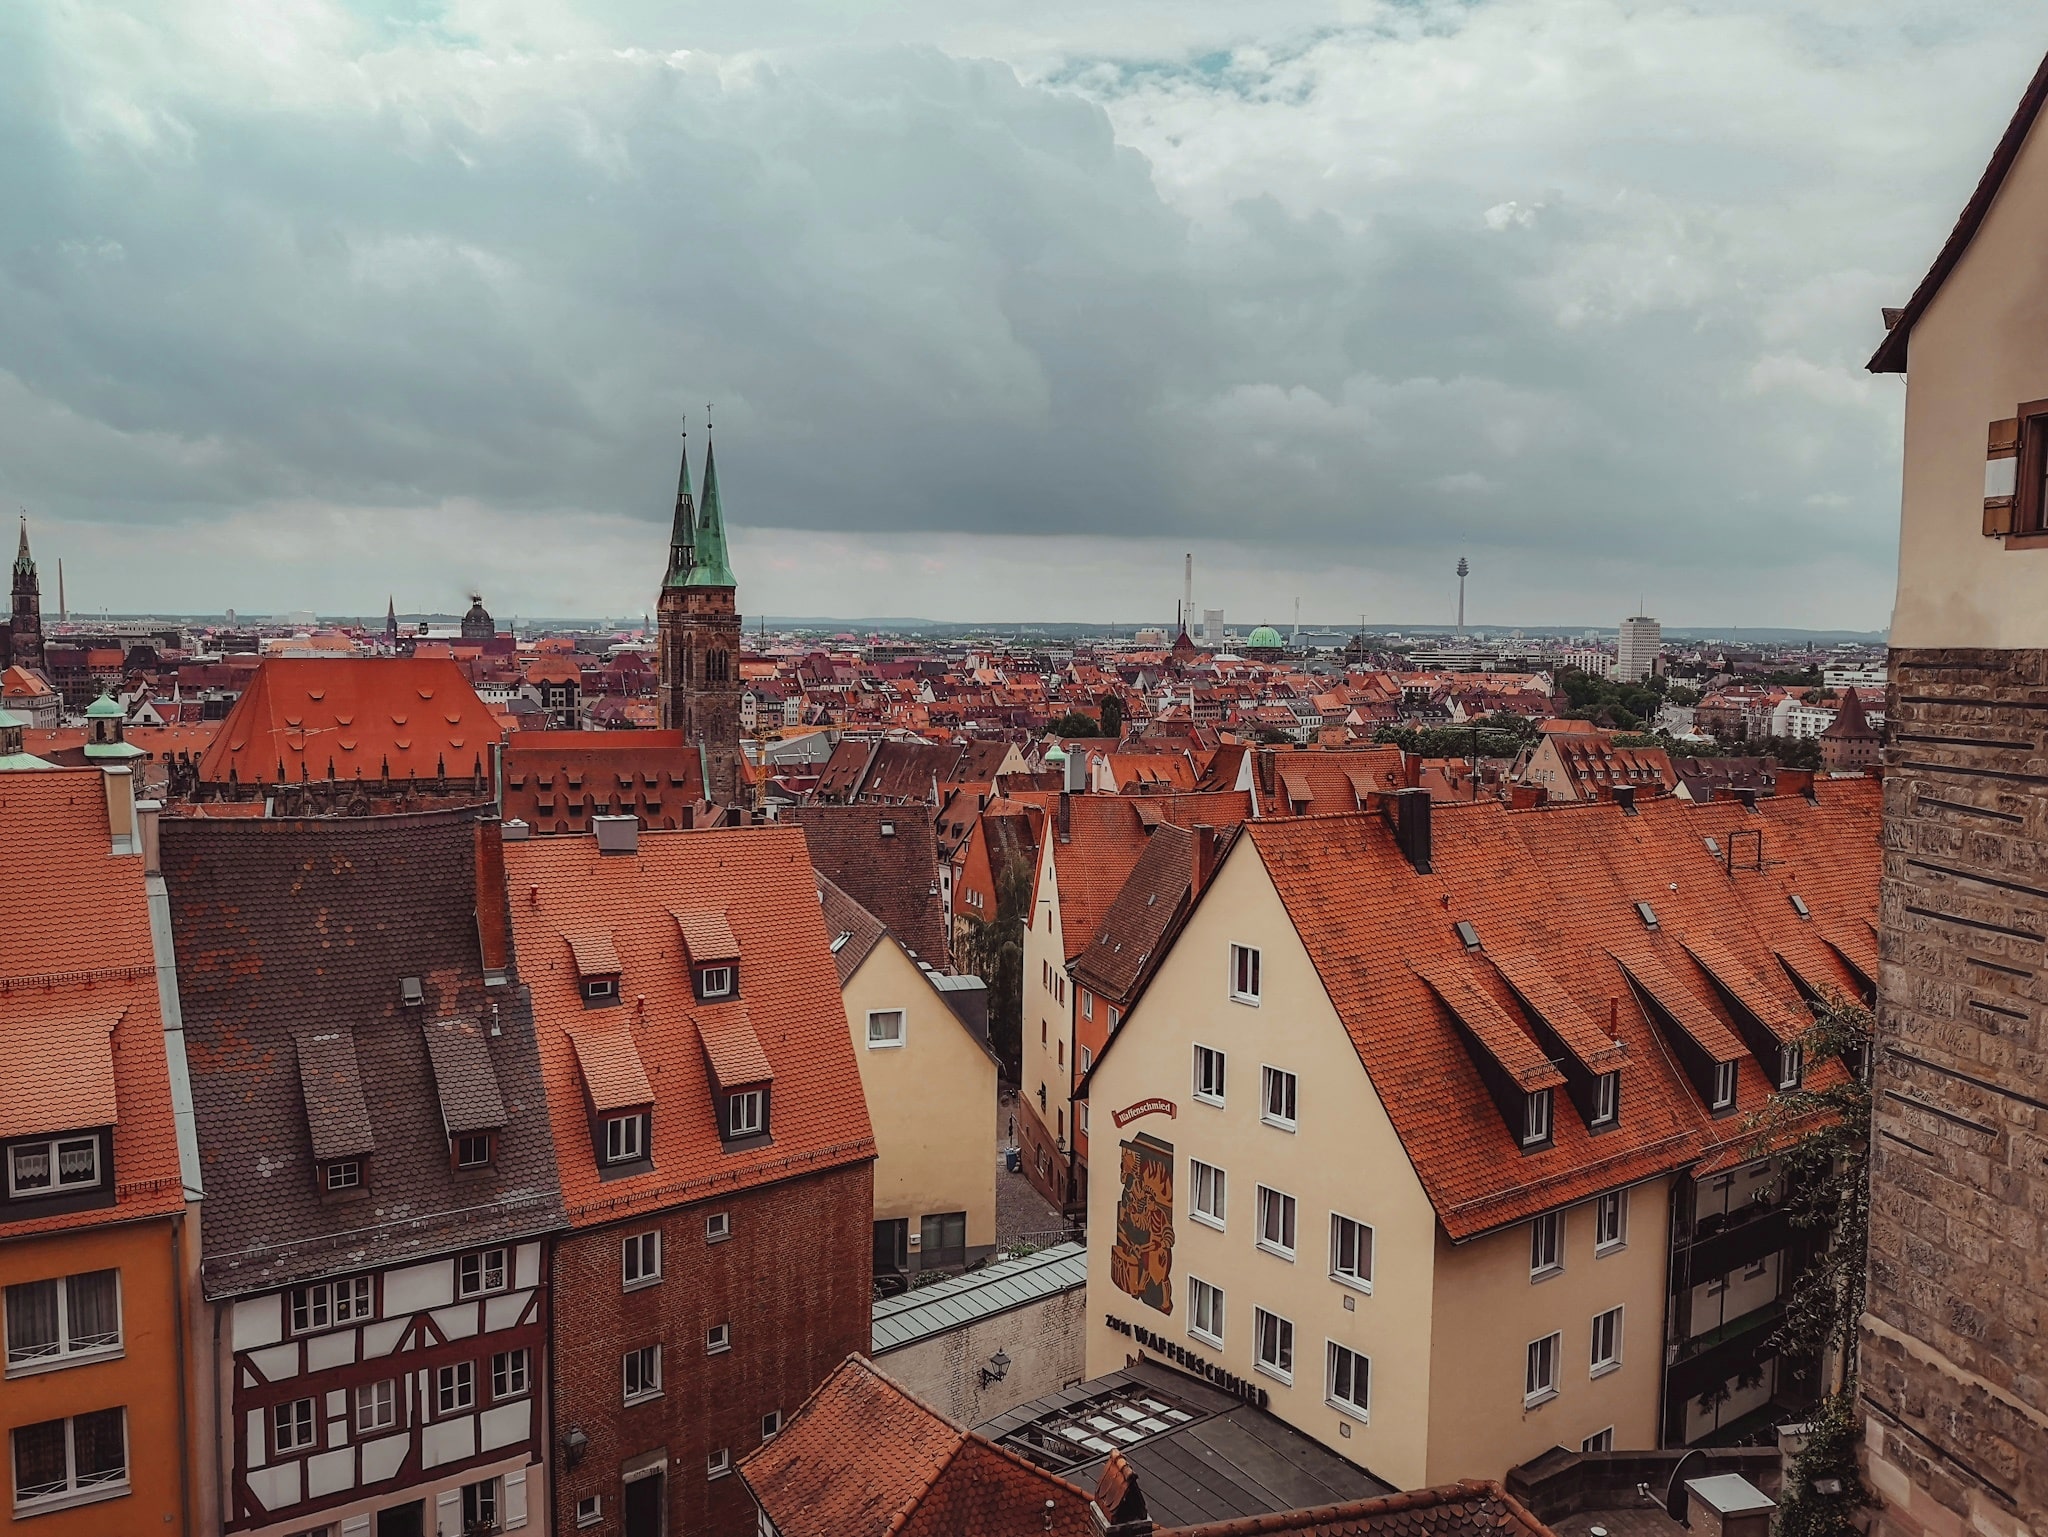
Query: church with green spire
[(698, 620)]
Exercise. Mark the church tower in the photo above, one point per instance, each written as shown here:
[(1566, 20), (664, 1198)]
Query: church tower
[(699, 621), (25, 635)]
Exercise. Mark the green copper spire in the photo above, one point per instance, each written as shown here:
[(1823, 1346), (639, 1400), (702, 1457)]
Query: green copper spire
[(711, 568), (682, 536)]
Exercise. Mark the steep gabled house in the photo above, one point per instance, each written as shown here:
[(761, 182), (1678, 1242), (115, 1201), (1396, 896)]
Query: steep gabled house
[(715, 1156), (381, 1178)]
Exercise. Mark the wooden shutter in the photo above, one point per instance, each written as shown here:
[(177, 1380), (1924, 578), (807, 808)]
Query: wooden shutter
[(448, 1513), (2001, 471), (513, 1516)]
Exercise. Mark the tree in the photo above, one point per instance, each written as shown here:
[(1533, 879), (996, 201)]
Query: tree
[(1824, 1174), (1682, 694), (1112, 715), (1076, 724), (994, 951)]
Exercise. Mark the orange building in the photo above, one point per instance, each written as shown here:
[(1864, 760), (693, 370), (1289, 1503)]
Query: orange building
[(94, 1246)]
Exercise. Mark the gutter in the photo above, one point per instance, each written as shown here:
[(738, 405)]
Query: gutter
[(174, 1028)]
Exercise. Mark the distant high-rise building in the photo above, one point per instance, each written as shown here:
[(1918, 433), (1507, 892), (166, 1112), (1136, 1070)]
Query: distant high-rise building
[(1642, 638), (1212, 626)]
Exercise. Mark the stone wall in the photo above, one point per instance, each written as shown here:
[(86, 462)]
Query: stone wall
[(1954, 1377), (1044, 1341)]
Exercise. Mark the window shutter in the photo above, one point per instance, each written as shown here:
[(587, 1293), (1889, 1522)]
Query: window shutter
[(356, 1526), (2001, 472), (515, 1500), (448, 1513)]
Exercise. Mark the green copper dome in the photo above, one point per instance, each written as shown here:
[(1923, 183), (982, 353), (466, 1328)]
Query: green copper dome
[(101, 708), (1265, 636), (1058, 754)]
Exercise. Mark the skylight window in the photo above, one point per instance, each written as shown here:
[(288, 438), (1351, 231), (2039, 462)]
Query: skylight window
[(1649, 917), (1467, 935), (1799, 905)]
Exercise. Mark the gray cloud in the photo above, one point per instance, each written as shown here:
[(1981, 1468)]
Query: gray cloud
[(302, 308)]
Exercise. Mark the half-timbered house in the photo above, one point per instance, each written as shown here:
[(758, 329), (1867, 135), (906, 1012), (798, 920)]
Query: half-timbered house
[(381, 1175)]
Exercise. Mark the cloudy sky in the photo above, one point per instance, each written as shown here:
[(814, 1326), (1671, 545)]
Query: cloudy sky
[(1002, 305)]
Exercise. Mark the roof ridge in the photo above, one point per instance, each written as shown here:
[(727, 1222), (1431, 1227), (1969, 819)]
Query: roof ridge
[(923, 1491)]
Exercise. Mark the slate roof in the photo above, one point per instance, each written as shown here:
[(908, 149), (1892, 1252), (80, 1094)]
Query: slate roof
[(896, 878), (963, 1299), (464, 1078), (789, 999), (78, 982), (331, 1084), (408, 716), (293, 929), (1562, 884)]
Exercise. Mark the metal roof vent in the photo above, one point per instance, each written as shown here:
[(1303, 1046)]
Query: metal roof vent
[(515, 831), (616, 835), (410, 991)]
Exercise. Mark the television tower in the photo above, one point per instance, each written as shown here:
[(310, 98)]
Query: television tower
[(1464, 569)]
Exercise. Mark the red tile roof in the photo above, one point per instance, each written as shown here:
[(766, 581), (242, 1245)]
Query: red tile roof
[(595, 954), (345, 717), (707, 936), (75, 951), (761, 877), (649, 774), (1465, 1509), (732, 1048), (1561, 884), (613, 1075)]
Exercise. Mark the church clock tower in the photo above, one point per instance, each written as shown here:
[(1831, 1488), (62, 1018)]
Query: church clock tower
[(25, 636), (699, 622)]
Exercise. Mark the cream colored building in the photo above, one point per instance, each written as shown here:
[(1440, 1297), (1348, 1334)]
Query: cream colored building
[(1337, 1114), (921, 1039)]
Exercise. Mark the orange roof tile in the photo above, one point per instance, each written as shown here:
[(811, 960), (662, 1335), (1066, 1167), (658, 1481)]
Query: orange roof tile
[(1647, 970), (595, 954), (707, 936), (1540, 993), (1766, 994), (733, 1049), (57, 1073), (1502, 1038), (613, 1075), (761, 877)]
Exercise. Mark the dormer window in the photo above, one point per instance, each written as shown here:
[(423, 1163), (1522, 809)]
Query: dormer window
[(342, 1174), (746, 1114), (625, 1138), (53, 1166), (1536, 1119), (716, 983), (475, 1150), (1724, 1086), (1606, 1099), (600, 990)]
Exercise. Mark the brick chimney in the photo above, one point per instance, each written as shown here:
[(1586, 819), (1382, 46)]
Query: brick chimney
[(1411, 827), (1796, 782), (1205, 858)]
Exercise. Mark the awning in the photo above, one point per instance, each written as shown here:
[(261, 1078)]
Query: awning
[(1500, 1037), (56, 1065), (1584, 1037), (613, 1075), (336, 1113), (464, 1078)]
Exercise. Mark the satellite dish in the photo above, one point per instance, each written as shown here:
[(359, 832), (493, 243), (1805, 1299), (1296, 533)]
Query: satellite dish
[(1692, 1465)]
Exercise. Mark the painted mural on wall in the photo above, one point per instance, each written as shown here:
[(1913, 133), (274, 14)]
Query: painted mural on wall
[(1141, 1258)]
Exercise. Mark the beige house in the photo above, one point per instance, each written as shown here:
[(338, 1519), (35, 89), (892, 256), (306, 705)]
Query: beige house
[(1393, 1141), (1955, 1412), (921, 1040)]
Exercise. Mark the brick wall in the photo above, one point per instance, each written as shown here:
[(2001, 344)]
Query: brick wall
[(1954, 1372), (1047, 1343), (794, 1282)]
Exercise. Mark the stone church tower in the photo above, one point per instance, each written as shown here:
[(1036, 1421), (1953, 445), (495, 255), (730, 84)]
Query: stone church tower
[(699, 621), (25, 629)]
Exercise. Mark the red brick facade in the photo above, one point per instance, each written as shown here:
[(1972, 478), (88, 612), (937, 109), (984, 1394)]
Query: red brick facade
[(793, 1285)]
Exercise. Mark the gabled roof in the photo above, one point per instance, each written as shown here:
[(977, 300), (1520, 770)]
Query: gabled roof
[(288, 931), (851, 929), (895, 877), (1562, 884), (761, 877), (1890, 357), (1128, 938)]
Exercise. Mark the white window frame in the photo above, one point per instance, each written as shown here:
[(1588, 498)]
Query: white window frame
[(342, 1174), (1289, 1086), (1606, 1099), (330, 1304), (1611, 1320), (590, 1510), (1367, 1245), (643, 1363), (376, 1405), (514, 1370), (1081, 1117), (1280, 1366), (1544, 1351), (454, 1388), (481, 1504), (1287, 1210), (292, 1431), (754, 1121), (1221, 1077), (1791, 1067), (771, 1424), (1725, 1080), (1246, 982), (1361, 1365), (1083, 1059), (483, 1272), (1205, 1298), (463, 1144), (718, 1227), (707, 976), (105, 1486), (718, 1339), (1208, 1206), (1536, 1117), (1546, 1259), (53, 1149), (1599, 1441), (1610, 1222), (65, 1351), (640, 1259), (625, 1138), (718, 1464), (884, 1042)]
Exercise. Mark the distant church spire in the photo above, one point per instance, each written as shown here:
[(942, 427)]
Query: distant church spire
[(25, 626), (712, 568), (700, 637)]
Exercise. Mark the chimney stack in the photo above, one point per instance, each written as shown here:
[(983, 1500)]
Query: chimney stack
[(616, 835), (1624, 797), (1796, 782), (122, 830), (1205, 858), (1076, 780), (1411, 827)]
